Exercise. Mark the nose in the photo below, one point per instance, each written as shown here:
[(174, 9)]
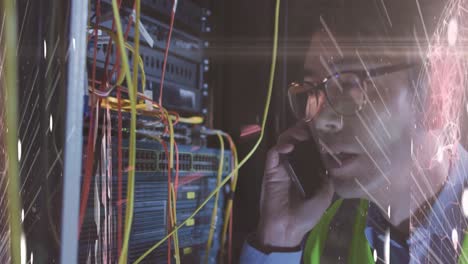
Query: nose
[(328, 121)]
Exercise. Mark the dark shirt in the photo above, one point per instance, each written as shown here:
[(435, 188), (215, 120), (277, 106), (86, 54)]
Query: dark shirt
[(438, 237)]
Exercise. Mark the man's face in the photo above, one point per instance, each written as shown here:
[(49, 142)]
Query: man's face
[(373, 146)]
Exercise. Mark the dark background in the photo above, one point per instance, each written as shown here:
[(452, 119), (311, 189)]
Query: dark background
[(242, 58)]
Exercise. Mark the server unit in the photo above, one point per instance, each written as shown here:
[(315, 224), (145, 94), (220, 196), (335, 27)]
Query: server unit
[(196, 174), (184, 86), (198, 168)]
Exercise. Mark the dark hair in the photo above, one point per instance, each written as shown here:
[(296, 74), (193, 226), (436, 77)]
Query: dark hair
[(419, 27), (365, 22)]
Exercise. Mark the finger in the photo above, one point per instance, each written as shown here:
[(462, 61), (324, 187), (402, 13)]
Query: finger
[(273, 156), (284, 148), (275, 180), (294, 135)]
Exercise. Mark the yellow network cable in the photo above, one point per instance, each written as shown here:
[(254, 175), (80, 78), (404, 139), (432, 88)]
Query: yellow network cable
[(195, 120), (171, 139), (11, 104), (171, 166), (112, 101), (142, 67), (132, 84), (215, 207), (230, 201), (252, 151), (174, 223), (131, 175), (132, 93)]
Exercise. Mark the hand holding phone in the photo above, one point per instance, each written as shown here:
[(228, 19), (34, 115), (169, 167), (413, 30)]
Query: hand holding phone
[(285, 217), (305, 168)]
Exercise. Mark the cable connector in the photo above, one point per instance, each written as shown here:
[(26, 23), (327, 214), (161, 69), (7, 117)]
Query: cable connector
[(212, 132)]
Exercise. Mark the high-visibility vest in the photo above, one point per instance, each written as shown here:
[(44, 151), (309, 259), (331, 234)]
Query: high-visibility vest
[(359, 251)]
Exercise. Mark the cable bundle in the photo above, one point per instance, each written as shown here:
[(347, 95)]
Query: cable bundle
[(101, 96)]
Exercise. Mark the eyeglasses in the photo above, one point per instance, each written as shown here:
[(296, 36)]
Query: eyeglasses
[(346, 92)]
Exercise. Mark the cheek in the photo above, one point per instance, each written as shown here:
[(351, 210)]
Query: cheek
[(402, 115), (389, 117)]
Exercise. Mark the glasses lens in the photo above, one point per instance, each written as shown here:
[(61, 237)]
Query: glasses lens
[(305, 101), (346, 93)]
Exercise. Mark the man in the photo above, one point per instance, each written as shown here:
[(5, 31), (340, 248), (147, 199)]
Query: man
[(384, 107)]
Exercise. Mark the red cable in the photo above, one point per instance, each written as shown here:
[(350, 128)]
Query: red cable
[(89, 150), (108, 202), (98, 15), (127, 30), (119, 188), (177, 117), (166, 52), (232, 146), (109, 45), (119, 141), (88, 170)]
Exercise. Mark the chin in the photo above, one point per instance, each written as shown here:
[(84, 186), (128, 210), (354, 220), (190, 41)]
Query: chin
[(357, 180), (348, 188)]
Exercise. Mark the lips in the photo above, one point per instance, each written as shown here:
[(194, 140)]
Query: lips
[(339, 159)]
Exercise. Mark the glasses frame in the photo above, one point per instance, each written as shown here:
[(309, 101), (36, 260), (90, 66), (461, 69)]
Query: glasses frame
[(362, 75)]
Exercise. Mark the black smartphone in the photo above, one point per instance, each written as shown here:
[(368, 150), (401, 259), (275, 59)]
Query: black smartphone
[(305, 167)]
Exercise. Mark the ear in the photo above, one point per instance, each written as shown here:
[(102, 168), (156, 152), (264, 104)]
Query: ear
[(445, 92), (426, 96), (432, 116)]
